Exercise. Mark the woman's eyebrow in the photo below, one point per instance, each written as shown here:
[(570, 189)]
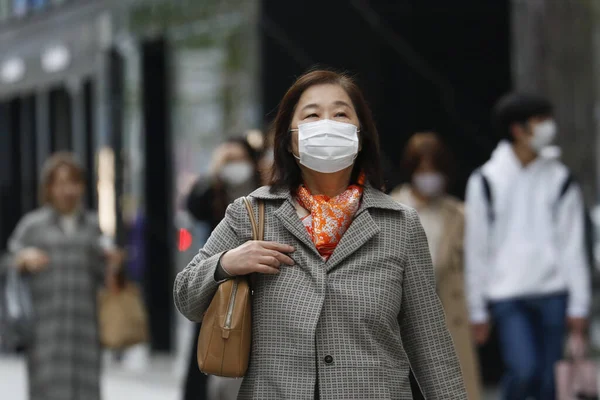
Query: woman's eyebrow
[(341, 103), (312, 105)]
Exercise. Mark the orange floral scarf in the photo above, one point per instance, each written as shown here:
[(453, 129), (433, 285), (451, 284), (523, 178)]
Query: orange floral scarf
[(329, 218)]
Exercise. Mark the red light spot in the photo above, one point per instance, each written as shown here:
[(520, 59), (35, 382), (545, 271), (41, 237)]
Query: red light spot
[(185, 239)]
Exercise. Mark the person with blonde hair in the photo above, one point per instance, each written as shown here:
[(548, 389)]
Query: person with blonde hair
[(58, 247)]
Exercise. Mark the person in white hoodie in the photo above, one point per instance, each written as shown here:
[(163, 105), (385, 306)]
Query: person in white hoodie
[(526, 265)]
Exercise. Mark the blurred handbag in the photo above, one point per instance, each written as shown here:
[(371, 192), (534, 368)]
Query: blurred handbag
[(16, 309), (226, 329), (576, 377), (122, 317)]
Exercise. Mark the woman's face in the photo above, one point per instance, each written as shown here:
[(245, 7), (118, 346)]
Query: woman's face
[(65, 190), (319, 102), (427, 180), (426, 166), (233, 164)]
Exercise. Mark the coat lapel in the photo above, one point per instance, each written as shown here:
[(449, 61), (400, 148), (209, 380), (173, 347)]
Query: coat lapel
[(289, 218), (360, 231), (363, 228), (287, 215)]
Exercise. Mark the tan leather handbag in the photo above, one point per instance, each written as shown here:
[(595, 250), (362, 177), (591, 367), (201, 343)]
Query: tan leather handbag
[(225, 335)]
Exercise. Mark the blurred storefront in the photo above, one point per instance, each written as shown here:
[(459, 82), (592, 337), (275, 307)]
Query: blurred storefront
[(142, 92)]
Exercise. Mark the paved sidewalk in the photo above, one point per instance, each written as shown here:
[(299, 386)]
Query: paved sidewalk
[(155, 384)]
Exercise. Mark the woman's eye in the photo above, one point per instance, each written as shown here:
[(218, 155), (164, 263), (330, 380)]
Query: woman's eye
[(313, 115), (341, 115)]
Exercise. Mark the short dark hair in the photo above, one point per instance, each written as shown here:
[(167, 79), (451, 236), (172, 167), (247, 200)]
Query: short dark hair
[(518, 108), (285, 172), (427, 145)]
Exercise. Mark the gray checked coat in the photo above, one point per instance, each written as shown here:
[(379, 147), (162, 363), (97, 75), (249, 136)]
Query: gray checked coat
[(63, 359), (350, 327)]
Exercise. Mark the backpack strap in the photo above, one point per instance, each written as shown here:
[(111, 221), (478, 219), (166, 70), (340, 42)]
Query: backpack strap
[(488, 196), (569, 180)]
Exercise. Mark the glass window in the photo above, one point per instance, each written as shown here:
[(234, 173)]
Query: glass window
[(19, 7), (4, 9), (37, 4)]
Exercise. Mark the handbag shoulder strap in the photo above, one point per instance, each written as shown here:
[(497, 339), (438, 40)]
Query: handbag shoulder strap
[(258, 228)]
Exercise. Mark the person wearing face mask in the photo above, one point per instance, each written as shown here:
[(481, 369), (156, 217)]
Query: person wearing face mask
[(344, 300), (525, 249), (234, 173), (428, 166)]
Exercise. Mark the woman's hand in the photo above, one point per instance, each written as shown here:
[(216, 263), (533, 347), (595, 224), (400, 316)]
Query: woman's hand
[(481, 333), (115, 258), (32, 259), (114, 262), (257, 256)]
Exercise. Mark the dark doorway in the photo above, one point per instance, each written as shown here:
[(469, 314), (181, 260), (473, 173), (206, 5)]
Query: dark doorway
[(158, 277), (60, 120), (88, 128), (28, 150), (10, 182), (424, 65)]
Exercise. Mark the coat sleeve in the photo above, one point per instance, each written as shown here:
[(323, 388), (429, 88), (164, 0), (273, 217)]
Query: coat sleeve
[(476, 237), (199, 202), (99, 245), (20, 239), (572, 253), (425, 336), (195, 286)]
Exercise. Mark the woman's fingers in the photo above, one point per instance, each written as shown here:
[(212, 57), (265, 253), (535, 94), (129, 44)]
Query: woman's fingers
[(270, 261), (282, 258), (267, 269), (282, 248)]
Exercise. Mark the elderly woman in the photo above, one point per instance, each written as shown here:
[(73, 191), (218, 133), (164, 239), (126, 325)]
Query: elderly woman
[(344, 293), (428, 166), (59, 247)]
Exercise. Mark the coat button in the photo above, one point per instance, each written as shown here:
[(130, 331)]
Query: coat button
[(328, 359)]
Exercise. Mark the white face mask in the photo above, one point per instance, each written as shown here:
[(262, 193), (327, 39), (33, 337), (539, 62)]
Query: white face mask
[(430, 184), (236, 173), (543, 135), (327, 146)]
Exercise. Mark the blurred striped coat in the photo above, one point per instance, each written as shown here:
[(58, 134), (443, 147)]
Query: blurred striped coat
[(64, 358)]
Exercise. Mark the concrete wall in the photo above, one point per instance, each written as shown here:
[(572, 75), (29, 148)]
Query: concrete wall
[(554, 53)]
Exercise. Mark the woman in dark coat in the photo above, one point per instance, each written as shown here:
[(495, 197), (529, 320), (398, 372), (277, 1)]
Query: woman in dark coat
[(234, 173)]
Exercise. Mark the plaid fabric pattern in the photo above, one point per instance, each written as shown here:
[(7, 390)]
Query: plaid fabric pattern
[(64, 359), (355, 323)]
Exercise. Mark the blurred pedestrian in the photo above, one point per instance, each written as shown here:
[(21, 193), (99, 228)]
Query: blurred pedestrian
[(59, 247), (525, 249), (344, 291), (429, 168), (234, 173)]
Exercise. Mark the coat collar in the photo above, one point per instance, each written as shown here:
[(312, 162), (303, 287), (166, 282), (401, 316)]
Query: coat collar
[(55, 216), (372, 198), (362, 229)]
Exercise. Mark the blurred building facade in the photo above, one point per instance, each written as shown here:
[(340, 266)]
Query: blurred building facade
[(141, 91), (144, 90)]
